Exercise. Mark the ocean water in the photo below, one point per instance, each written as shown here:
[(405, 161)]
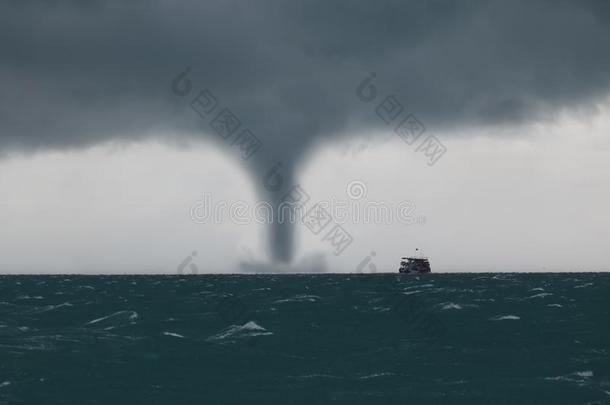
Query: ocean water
[(306, 339)]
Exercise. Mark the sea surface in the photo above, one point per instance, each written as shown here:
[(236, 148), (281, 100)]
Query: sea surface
[(499, 338)]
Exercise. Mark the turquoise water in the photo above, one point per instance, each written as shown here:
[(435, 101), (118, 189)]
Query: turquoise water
[(305, 339)]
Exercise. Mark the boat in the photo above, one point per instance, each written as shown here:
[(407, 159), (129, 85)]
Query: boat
[(416, 264)]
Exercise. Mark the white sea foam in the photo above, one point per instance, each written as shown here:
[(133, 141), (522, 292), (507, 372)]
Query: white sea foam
[(376, 375), (310, 376), (173, 334), (577, 376), (52, 307), (555, 305), (419, 286), (249, 329), (558, 378), (451, 305), (541, 295), (411, 292), (130, 315), (299, 298), (505, 318), (584, 374), (5, 384)]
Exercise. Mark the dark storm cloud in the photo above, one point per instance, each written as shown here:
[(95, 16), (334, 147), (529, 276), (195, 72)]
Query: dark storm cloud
[(76, 73)]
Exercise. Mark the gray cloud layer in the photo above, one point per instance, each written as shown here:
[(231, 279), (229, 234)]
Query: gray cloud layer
[(76, 73)]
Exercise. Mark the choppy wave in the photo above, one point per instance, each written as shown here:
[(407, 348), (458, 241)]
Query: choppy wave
[(299, 298), (247, 330), (541, 295), (585, 285), (577, 376), (116, 319), (173, 334), (377, 375), (505, 318), (47, 308)]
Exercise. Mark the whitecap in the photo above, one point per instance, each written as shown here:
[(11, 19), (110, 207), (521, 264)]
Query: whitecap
[(559, 378), (583, 285), (117, 317), (541, 295), (249, 329), (376, 375), (555, 305), (310, 376), (411, 292), (505, 318), (52, 307), (451, 305), (173, 334), (299, 298), (584, 374), (5, 383), (6, 330), (419, 286), (577, 376)]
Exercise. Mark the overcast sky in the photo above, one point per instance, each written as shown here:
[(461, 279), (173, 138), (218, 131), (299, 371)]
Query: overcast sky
[(103, 156)]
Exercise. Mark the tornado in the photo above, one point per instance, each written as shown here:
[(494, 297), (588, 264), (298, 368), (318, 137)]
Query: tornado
[(274, 187), (280, 234)]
